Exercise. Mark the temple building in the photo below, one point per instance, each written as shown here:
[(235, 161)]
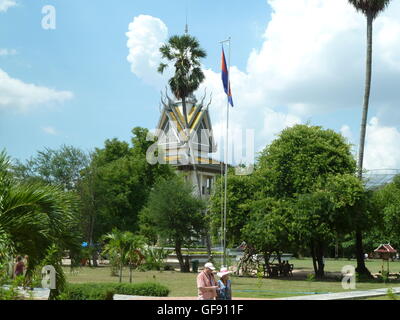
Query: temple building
[(189, 150)]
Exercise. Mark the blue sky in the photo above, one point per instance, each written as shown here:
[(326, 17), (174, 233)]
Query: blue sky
[(291, 64), (86, 54)]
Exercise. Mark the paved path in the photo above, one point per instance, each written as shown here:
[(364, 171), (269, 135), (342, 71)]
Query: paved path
[(347, 295), (43, 294), (127, 297)]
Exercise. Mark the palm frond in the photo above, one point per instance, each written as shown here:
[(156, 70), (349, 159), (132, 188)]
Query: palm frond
[(370, 7)]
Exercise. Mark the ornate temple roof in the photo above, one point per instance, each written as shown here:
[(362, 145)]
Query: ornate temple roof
[(173, 137)]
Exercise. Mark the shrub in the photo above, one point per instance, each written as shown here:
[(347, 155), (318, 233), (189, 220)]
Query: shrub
[(154, 258), (106, 291), (391, 294), (310, 277), (142, 289), (9, 294), (87, 291)]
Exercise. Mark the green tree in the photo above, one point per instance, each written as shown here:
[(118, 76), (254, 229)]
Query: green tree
[(326, 214), (309, 168), (299, 158), (184, 52), (240, 192), (268, 228), (175, 214), (371, 9), (116, 185), (116, 248), (134, 256), (35, 218), (124, 249), (57, 167), (388, 203)]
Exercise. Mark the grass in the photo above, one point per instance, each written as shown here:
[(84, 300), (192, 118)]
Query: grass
[(184, 284)]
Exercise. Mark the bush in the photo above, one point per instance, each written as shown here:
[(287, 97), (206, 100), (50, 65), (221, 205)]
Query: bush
[(87, 291), (106, 291), (154, 258), (391, 294), (142, 289), (9, 294), (310, 277)]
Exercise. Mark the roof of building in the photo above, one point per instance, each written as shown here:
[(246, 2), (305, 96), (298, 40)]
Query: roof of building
[(385, 248)]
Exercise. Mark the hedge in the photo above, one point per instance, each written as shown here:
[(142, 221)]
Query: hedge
[(106, 291)]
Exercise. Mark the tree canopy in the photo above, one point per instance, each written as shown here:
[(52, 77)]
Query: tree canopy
[(175, 213)]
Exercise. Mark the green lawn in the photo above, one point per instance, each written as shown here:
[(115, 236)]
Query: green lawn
[(184, 284)]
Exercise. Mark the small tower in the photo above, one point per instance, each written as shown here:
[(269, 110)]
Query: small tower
[(174, 142)]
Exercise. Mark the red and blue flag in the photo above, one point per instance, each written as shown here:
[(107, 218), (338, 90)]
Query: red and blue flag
[(225, 77)]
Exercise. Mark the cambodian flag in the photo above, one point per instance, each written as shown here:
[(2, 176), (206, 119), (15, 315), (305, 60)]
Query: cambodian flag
[(224, 72)]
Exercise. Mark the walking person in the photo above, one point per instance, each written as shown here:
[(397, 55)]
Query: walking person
[(19, 267), (206, 284), (224, 285)]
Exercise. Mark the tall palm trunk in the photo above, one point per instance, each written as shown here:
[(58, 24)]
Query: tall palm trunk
[(361, 268)]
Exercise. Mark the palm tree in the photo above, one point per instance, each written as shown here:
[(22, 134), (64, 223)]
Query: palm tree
[(133, 255), (116, 247), (184, 52), (34, 218), (371, 9)]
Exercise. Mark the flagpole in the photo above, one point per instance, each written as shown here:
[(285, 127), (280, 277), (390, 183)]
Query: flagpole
[(226, 153)]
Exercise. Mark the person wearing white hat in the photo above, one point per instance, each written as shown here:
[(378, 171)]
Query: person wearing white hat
[(206, 284), (224, 285)]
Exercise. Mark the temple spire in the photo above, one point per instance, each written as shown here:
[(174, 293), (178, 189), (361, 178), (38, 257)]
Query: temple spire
[(186, 25)]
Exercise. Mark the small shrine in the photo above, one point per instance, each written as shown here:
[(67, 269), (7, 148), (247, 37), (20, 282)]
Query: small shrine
[(385, 252)]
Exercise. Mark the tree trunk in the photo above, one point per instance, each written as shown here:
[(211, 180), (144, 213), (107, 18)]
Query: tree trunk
[(208, 243), (94, 253), (130, 273), (361, 269), (95, 257), (120, 270), (320, 260), (313, 255), (180, 257)]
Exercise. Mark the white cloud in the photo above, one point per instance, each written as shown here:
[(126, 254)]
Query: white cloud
[(311, 62), (50, 130), (382, 150), (20, 96), (145, 36), (346, 132), (5, 4), (7, 52), (382, 145)]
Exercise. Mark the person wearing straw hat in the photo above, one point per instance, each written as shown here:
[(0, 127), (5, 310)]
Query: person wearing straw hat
[(206, 284), (224, 285)]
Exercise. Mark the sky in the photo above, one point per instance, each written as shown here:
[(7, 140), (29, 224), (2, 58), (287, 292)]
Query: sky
[(93, 77)]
